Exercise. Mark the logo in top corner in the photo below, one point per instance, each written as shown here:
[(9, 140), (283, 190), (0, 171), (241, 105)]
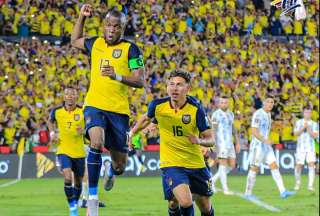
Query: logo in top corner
[(88, 120), (186, 118), (116, 53), (76, 117)]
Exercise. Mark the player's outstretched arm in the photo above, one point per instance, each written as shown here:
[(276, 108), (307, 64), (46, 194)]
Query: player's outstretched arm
[(206, 138), (77, 39)]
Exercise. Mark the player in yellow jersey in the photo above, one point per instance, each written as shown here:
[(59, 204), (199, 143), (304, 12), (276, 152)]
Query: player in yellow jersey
[(184, 128), (116, 65), (66, 122)]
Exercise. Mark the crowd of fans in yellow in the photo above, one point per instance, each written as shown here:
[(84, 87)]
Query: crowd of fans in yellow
[(215, 40)]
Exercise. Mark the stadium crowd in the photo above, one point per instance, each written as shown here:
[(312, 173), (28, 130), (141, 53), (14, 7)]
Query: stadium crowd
[(217, 41)]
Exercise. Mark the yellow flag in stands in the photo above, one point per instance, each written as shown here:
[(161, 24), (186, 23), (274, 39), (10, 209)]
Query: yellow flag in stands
[(20, 148)]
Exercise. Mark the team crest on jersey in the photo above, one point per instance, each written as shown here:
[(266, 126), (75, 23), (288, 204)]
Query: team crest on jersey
[(186, 119), (76, 117), (116, 53)]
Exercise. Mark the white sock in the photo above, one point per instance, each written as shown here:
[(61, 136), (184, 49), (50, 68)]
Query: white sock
[(223, 177), (216, 176), (251, 180), (311, 175), (85, 190), (297, 174), (278, 179)]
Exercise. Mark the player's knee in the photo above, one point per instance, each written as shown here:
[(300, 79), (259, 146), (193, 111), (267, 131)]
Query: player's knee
[(311, 165), (254, 169), (185, 202), (96, 142), (273, 166)]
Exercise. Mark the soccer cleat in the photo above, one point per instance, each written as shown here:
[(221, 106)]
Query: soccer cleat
[(143, 168), (93, 205), (74, 211), (310, 188), (101, 204), (287, 194), (108, 181), (297, 187), (83, 203)]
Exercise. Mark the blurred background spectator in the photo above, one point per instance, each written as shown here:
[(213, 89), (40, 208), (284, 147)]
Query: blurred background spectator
[(230, 47)]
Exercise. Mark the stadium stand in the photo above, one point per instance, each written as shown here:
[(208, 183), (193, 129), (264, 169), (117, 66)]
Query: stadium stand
[(229, 46)]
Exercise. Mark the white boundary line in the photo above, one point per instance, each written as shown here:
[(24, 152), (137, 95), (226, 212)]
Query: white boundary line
[(255, 201), (18, 176)]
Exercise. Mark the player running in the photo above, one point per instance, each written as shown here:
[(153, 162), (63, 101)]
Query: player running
[(116, 65), (66, 123), (181, 121)]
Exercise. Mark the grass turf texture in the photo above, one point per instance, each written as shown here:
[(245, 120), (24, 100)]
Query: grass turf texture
[(142, 196)]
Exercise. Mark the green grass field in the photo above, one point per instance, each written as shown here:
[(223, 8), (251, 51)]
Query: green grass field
[(142, 196)]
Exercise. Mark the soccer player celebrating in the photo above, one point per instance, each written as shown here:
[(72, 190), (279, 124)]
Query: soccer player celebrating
[(183, 127), (261, 149), (222, 121), (69, 121), (307, 131), (116, 65)]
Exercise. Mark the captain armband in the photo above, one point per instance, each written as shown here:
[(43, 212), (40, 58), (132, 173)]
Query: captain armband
[(136, 63)]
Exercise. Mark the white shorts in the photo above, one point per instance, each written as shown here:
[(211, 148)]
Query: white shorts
[(257, 157), (301, 157), (226, 153)]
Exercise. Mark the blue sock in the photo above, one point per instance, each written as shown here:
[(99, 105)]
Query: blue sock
[(94, 162), (174, 212), (210, 214), (68, 190), (188, 211), (77, 192)]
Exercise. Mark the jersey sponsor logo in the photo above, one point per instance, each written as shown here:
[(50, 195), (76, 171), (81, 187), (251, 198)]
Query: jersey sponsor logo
[(44, 165), (116, 53), (186, 118), (76, 117)]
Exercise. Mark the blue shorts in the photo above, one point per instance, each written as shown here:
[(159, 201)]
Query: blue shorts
[(77, 165), (199, 180), (115, 125)]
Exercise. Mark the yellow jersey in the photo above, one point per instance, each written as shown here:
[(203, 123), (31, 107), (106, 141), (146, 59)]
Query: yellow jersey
[(70, 143), (104, 93), (175, 126)]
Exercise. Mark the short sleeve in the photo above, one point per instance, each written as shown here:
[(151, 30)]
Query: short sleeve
[(152, 109), (256, 119), (88, 44), (135, 58), (202, 120), (52, 117)]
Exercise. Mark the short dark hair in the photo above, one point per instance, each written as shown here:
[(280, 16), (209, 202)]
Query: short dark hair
[(180, 73), (118, 14)]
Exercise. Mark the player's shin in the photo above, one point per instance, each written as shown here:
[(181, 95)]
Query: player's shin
[(251, 180), (94, 165), (68, 190), (211, 213), (223, 177), (278, 179), (174, 211), (311, 175), (187, 211), (77, 192), (297, 174)]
